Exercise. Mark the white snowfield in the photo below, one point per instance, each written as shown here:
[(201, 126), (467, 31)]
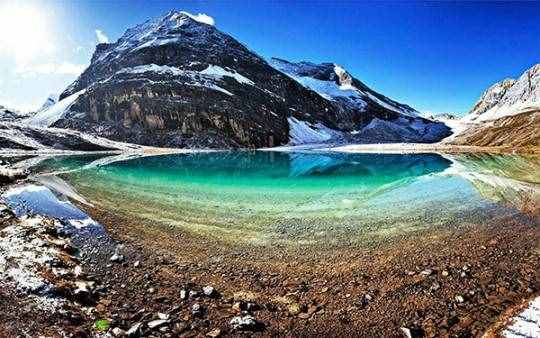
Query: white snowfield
[(53, 113), (203, 18), (302, 132), (21, 259)]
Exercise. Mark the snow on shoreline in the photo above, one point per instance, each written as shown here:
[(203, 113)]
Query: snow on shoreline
[(527, 323), (24, 253)]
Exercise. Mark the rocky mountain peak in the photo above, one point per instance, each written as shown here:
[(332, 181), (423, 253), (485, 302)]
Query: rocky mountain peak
[(333, 82), (509, 97), (177, 81)]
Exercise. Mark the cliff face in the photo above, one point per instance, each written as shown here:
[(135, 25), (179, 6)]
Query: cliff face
[(177, 82)]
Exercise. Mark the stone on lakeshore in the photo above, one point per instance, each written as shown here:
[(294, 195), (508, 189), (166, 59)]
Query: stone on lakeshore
[(245, 323), (214, 333), (209, 291), (154, 324)]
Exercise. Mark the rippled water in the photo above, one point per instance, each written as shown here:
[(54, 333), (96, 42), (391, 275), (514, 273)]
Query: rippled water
[(330, 198)]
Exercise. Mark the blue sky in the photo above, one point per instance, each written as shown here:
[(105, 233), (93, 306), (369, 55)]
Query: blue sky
[(435, 56)]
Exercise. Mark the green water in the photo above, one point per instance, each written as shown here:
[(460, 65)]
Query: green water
[(306, 198)]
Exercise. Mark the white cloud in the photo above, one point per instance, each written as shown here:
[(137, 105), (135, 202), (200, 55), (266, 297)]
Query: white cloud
[(64, 68), (101, 37), (68, 68), (207, 19)]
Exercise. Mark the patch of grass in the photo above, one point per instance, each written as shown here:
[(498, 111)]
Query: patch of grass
[(102, 324)]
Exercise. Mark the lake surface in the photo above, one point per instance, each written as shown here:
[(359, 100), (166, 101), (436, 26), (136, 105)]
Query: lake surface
[(302, 198)]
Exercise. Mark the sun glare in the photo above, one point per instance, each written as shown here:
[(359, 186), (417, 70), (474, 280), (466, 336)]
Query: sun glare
[(24, 31)]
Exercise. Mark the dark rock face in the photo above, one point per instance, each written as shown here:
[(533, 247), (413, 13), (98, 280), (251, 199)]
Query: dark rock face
[(177, 82)]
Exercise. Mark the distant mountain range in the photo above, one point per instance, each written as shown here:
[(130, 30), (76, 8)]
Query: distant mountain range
[(177, 82)]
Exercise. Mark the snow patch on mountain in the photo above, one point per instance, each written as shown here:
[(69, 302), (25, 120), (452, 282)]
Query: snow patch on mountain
[(23, 137), (303, 132), (53, 113), (218, 72), (203, 18), (211, 73), (205, 78)]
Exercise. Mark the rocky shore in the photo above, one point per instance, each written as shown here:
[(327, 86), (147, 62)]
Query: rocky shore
[(136, 280)]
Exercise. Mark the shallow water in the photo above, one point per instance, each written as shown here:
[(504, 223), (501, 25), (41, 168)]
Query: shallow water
[(306, 198)]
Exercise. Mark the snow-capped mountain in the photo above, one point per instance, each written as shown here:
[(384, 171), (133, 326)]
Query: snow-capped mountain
[(377, 118), (509, 97), (178, 81), (507, 114), (334, 83)]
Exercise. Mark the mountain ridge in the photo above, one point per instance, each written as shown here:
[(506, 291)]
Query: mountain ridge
[(506, 114), (176, 82)]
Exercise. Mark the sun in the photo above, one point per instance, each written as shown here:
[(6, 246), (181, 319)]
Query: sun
[(25, 31)]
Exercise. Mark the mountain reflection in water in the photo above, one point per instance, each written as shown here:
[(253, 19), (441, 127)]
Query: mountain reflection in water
[(300, 197)]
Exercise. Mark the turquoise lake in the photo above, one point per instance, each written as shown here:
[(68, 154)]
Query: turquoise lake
[(302, 197)]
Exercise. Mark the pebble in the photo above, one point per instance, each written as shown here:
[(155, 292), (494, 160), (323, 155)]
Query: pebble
[(183, 294), (180, 327), (136, 264), (294, 309), (156, 323), (209, 291), (246, 323), (412, 333), (214, 333), (118, 332), (197, 310), (426, 272), (444, 273), (163, 316), (460, 299), (134, 330), (116, 258), (193, 294)]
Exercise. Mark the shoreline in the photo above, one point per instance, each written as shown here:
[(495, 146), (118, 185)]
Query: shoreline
[(389, 148), (454, 281)]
